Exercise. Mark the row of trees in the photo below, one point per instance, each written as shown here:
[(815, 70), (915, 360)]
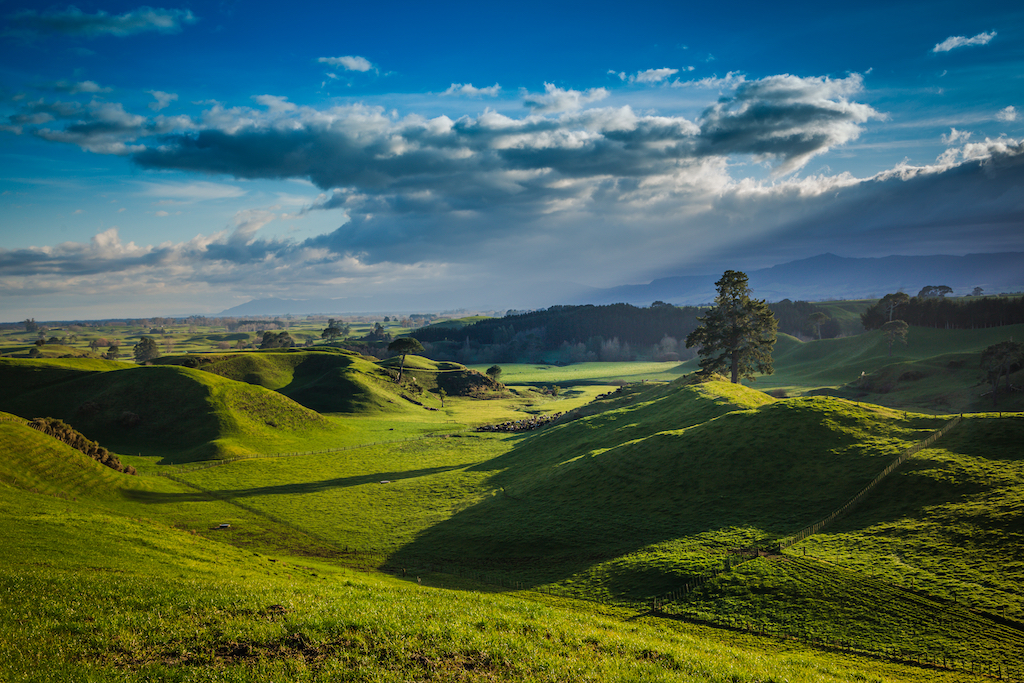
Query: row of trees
[(612, 332), (937, 311)]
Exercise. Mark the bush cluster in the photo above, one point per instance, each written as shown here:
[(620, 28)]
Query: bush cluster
[(58, 429)]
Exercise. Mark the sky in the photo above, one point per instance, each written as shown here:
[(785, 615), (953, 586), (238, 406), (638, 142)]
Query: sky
[(186, 158)]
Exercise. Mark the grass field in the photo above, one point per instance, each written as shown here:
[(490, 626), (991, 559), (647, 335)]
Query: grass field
[(392, 543), (95, 594)]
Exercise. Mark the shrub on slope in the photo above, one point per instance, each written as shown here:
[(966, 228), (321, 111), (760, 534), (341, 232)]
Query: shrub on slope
[(66, 433), (39, 463)]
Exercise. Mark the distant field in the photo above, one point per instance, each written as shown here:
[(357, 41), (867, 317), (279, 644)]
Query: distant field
[(180, 337), (586, 373)]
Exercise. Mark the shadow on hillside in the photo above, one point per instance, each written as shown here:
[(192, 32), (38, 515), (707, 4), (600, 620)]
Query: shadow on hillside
[(288, 489), (574, 495)]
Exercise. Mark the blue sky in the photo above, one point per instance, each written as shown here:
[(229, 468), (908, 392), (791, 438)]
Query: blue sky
[(186, 158)]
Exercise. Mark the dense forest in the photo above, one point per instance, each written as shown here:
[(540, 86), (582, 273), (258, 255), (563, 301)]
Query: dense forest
[(938, 311), (573, 334)]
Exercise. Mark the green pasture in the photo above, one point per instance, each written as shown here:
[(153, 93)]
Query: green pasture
[(101, 590), (644, 494), (130, 600), (950, 521), (586, 373)]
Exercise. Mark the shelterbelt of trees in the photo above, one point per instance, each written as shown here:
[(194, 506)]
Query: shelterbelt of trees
[(938, 311), (591, 325)]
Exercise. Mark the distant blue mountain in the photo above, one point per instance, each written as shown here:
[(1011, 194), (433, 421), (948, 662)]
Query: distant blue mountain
[(835, 277), (812, 279), (275, 306)]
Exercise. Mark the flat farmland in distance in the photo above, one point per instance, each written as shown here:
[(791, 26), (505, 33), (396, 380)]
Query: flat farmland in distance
[(588, 373)]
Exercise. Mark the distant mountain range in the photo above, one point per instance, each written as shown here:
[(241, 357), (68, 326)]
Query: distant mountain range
[(812, 279), (835, 277), (275, 306)]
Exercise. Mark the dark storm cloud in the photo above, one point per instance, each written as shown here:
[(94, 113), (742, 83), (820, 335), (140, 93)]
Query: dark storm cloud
[(785, 117)]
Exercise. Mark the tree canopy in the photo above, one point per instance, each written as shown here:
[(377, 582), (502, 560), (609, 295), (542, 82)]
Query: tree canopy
[(895, 330), (934, 290), (404, 346), (999, 360), (145, 350), (738, 334), (938, 311)]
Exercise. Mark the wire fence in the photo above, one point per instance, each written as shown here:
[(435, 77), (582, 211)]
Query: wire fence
[(836, 514)]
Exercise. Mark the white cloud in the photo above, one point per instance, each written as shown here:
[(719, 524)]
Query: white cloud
[(75, 88), (728, 82), (786, 118), (191, 192), (653, 75), (163, 99), (556, 99), (109, 130), (349, 63), (468, 90), (955, 136), (275, 104), (1008, 114), (954, 42)]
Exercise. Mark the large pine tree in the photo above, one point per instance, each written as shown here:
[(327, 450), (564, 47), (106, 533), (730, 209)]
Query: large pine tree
[(737, 335)]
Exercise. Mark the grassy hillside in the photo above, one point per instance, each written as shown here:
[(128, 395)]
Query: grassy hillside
[(39, 463), (670, 467), (99, 589), (177, 413), (937, 370), (327, 382), (646, 494)]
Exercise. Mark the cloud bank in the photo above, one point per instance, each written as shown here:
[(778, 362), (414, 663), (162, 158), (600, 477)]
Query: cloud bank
[(492, 199)]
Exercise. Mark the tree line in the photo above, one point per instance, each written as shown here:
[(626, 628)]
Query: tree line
[(608, 330), (938, 311)]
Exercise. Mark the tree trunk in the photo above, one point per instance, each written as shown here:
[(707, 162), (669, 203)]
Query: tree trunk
[(401, 370), (735, 367)]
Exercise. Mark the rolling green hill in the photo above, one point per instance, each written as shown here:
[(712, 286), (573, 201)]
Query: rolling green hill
[(672, 462), (177, 413), (38, 463), (936, 371), (644, 497), (104, 588), (327, 382)]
